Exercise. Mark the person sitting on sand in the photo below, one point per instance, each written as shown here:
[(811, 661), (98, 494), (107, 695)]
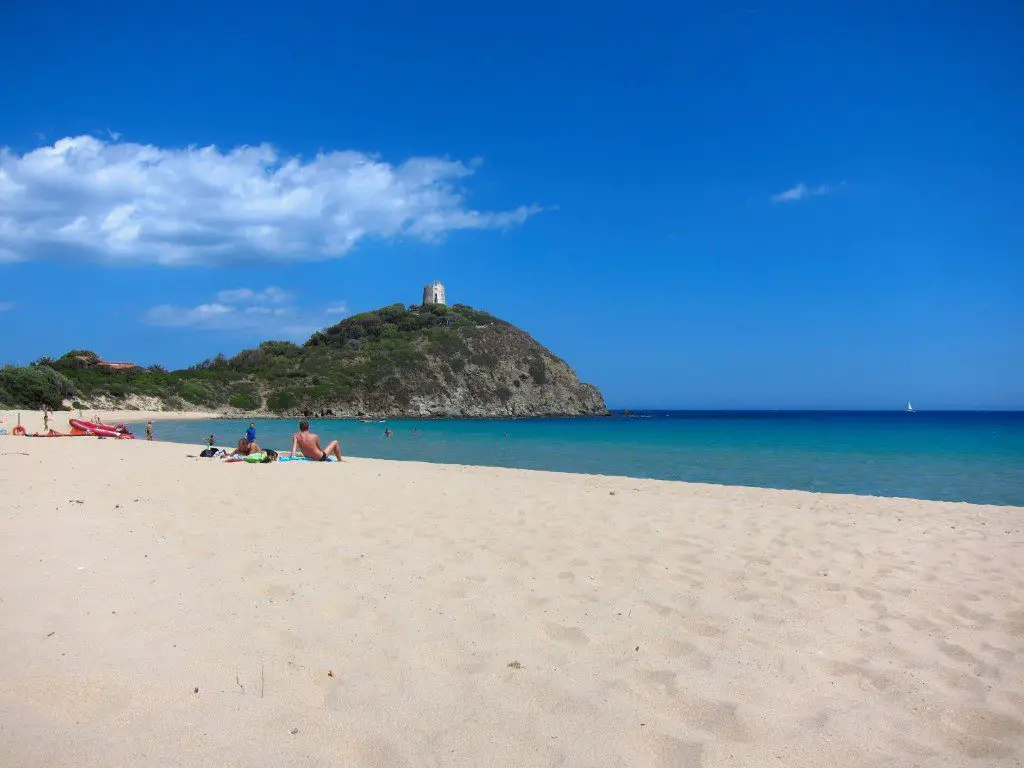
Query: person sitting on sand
[(309, 444), (245, 448)]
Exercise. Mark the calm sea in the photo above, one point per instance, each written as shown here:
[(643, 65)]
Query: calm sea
[(950, 456)]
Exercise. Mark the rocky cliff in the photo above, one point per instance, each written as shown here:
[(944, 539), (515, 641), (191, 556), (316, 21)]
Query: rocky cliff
[(439, 361)]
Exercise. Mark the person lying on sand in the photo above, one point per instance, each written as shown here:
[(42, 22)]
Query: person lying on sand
[(309, 444), (245, 448)]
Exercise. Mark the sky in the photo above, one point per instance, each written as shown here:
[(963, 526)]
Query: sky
[(732, 205)]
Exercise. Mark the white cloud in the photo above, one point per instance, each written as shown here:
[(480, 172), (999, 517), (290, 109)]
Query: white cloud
[(6, 306), (131, 203), (205, 316), (267, 314), (269, 295), (800, 192)]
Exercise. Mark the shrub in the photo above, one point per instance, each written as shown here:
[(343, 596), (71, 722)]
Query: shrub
[(281, 401), (194, 393), (34, 387), (245, 401), (484, 360), (77, 358)]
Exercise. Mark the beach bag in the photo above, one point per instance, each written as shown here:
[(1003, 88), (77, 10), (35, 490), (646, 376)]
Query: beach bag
[(208, 453)]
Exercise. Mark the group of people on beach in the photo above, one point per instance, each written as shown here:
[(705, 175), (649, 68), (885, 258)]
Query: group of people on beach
[(304, 443)]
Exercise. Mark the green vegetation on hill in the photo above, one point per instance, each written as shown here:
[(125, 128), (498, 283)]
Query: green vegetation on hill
[(396, 360), (34, 387)]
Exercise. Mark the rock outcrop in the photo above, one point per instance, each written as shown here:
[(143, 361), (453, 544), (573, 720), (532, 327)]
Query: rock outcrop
[(422, 361)]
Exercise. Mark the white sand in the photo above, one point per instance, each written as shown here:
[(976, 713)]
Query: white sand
[(647, 623)]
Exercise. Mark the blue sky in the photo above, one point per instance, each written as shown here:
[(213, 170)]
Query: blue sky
[(752, 204)]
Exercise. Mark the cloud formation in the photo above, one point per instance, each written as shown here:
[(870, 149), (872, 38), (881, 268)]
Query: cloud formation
[(122, 202), (800, 192), (270, 295), (269, 314)]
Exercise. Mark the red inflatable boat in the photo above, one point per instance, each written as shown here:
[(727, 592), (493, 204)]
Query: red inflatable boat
[(120, 431)]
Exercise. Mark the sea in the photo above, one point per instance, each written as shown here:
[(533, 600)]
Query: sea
[(950, 456)]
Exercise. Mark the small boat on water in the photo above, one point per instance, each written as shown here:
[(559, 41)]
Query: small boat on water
[(910, 408)]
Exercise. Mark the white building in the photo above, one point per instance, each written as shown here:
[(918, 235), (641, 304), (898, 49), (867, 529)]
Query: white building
[(433, 293)]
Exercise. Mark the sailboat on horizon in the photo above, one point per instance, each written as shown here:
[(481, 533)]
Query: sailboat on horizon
[(910, 408)]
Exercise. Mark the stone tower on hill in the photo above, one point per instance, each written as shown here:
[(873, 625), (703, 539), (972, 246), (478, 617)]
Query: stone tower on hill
[(433, 293)]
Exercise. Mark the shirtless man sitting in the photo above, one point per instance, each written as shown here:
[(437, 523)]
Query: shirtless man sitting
[(309, 444)]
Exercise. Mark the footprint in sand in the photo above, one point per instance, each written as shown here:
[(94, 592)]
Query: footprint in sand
[(978, 732), (958, 681), (660, 751), (716, 717), (562, 633), (867, 678), (370, 751), (868, 594), (673, 648), (703, 626), (979, 667), (1003, 654)]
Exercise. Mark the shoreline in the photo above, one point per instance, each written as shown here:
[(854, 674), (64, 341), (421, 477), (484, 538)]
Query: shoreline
[(395, 613), (29, 418), (695, 486), (723, 477), (33, 420)]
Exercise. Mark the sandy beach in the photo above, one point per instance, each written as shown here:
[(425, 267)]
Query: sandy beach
[(33, 420), (158, 609)]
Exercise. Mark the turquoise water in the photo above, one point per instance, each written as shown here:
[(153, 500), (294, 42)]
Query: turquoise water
[(975, 457)]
